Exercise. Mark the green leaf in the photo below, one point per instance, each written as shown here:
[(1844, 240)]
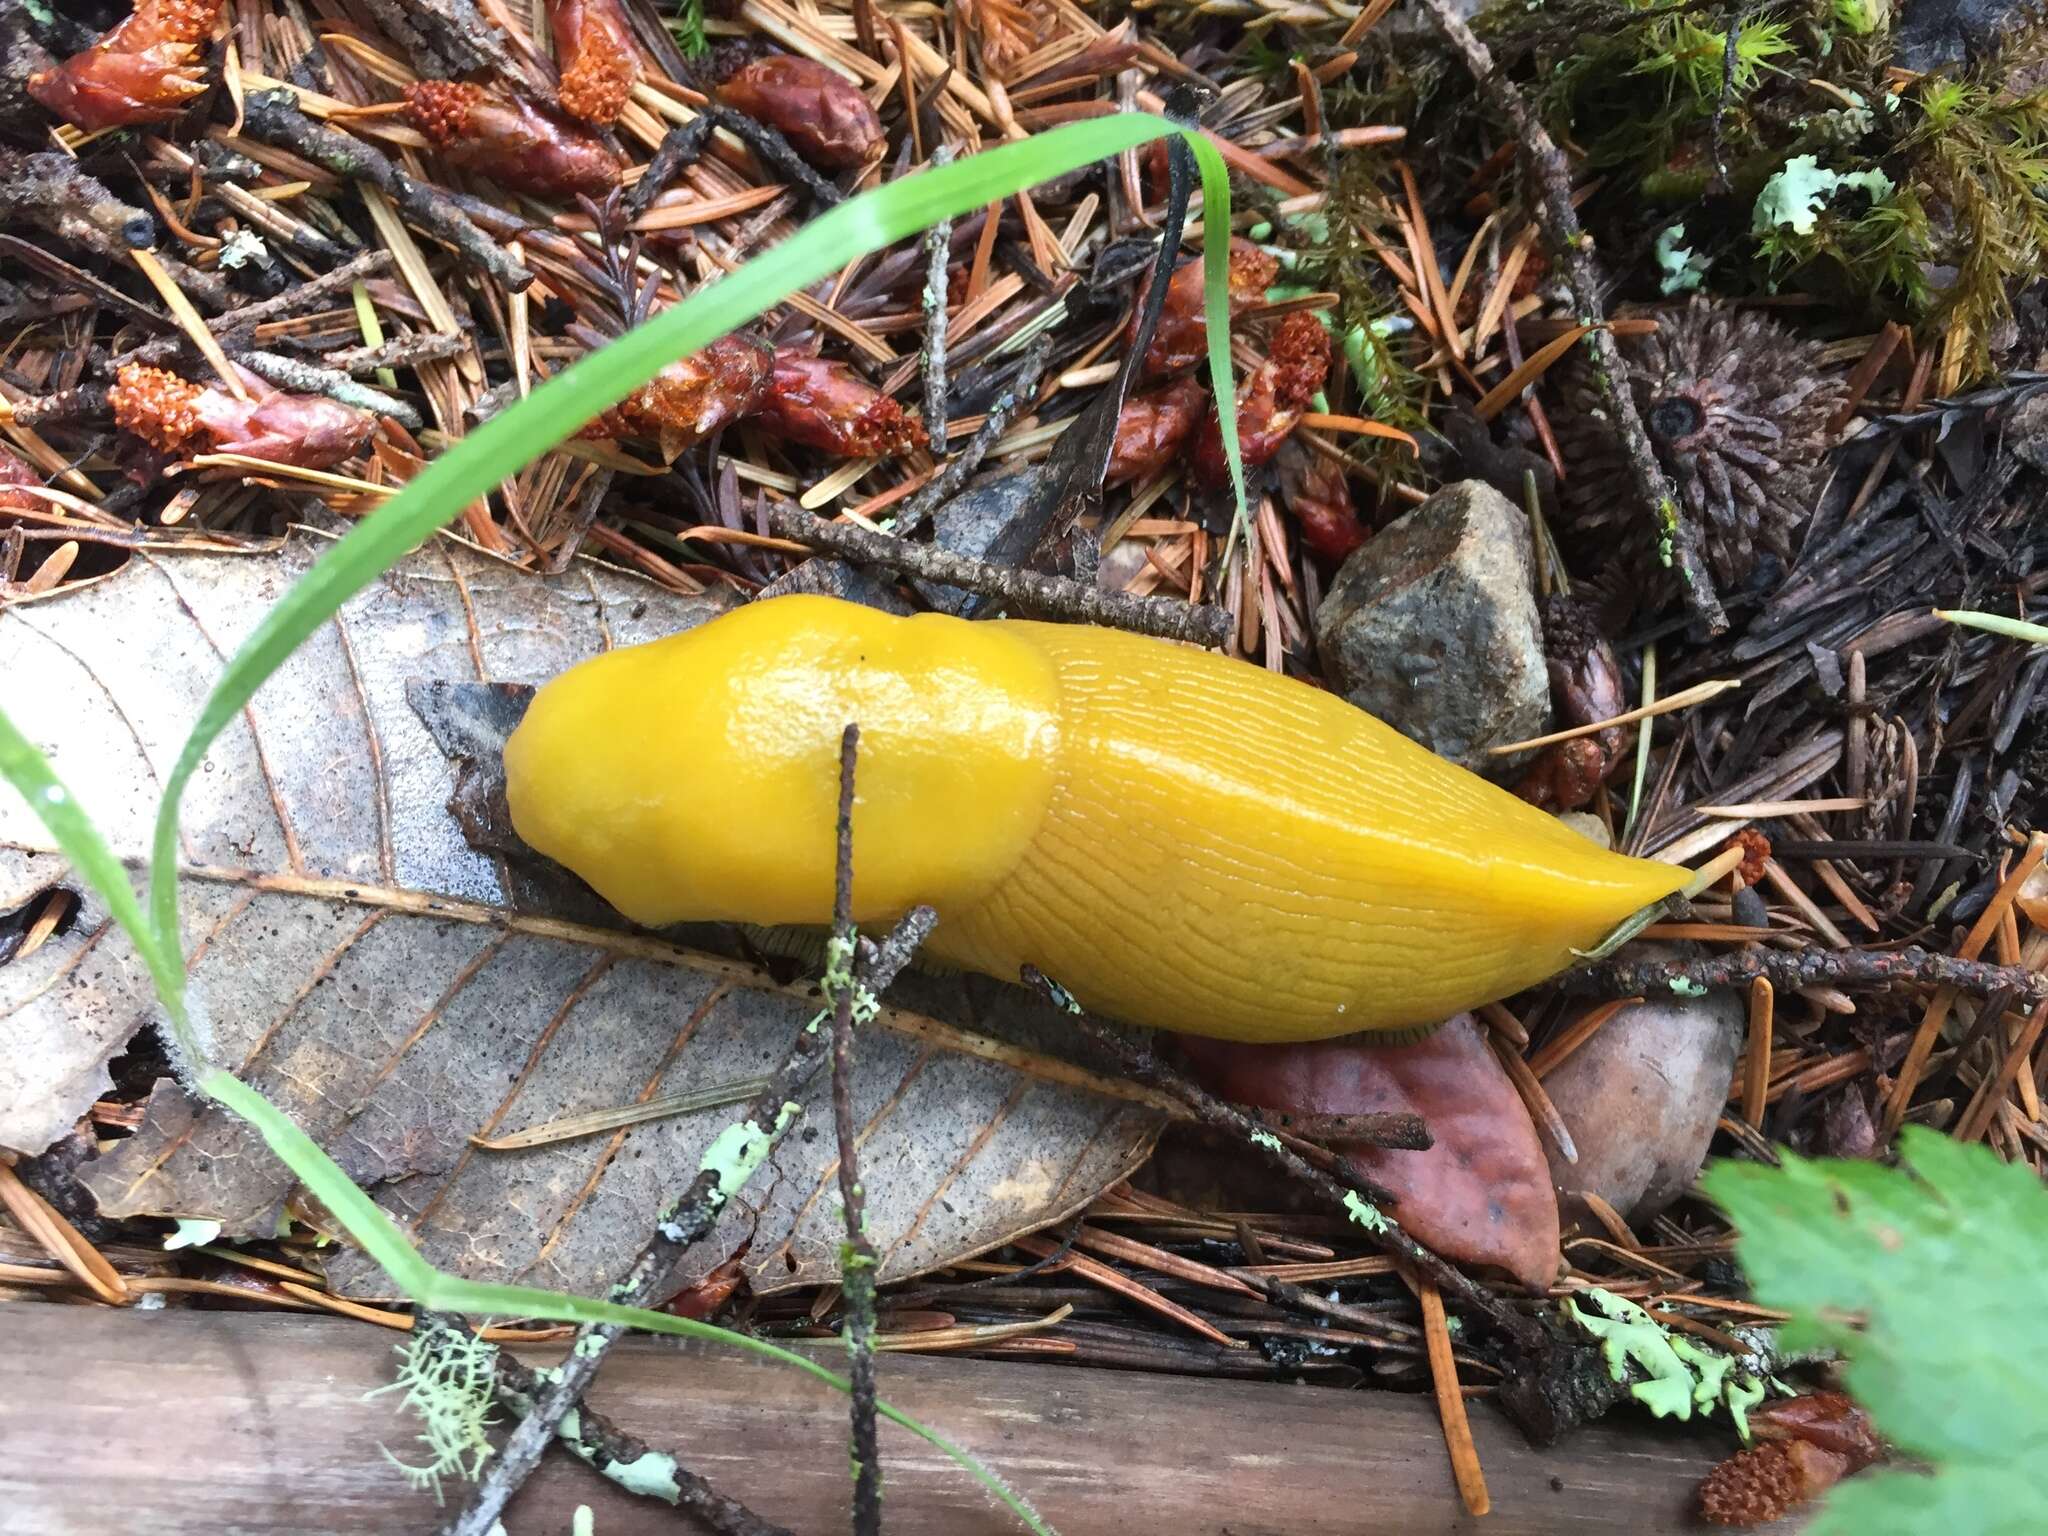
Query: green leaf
[(1995, 623), (1932, 1282)]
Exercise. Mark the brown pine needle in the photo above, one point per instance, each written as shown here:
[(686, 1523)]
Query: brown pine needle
[(189, 322), (1575, 1034), (1541, 1110), (1756, 1073), (1915, 1064), (1534, 366), (1685, 698), (1450, 1402), (66, 1244)]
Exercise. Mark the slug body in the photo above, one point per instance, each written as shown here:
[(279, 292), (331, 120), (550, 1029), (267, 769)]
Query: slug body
[(1182, 840)]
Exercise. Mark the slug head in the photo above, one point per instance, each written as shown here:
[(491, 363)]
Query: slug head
[(696, 778)]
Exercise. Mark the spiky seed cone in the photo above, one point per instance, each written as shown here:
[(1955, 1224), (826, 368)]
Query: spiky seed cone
[(1738, 409)]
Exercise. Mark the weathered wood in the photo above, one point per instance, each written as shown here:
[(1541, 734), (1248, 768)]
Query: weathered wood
[(213, 1421)]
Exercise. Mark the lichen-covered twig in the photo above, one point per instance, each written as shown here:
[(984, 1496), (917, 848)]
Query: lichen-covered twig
[(955, 472), (273, 117), (241, 321), (1052, 597), (48, 191), (938, 252), (1573, 249), (307, 379), (1805, 968), (857, 1256), (725, 1166), (1144, 1066), (625, 1459)]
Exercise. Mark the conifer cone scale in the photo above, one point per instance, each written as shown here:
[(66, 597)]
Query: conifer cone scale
[(1738, 409)]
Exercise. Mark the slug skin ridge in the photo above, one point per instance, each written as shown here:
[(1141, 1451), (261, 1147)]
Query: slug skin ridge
[(1183, 840)]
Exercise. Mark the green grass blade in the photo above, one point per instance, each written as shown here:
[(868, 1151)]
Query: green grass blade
[(29, 771), (513, 439), (1995, 623)]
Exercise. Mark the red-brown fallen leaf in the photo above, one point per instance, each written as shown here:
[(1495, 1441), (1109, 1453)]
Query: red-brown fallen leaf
[(824, 115), (1481, 1194)]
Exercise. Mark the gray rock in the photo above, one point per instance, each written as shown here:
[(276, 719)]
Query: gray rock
[(1432, 626), (1641, 1099)]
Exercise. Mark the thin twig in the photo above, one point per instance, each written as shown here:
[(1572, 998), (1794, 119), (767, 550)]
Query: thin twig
[(273, 117), (1143, 1066), (1730, 59), (1047, 596), (938, 252), (1786, 969), (307, 379), (679, 1225), (954, 474), (1573, 248), (857, 1256)]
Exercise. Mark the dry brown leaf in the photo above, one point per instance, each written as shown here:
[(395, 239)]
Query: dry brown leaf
[(397, 991)]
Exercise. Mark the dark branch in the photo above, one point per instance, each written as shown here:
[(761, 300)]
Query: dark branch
[(1573, 249), (1046, 596), (1143, 1066), (857, 1257), (1805, 968)]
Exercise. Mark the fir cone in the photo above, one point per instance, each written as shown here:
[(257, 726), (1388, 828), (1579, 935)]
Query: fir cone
[(1738, 409)]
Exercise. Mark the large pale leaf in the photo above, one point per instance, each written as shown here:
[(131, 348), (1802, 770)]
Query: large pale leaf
[(398, 991)]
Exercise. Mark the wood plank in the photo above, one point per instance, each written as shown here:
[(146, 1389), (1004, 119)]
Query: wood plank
[(217, 1421)]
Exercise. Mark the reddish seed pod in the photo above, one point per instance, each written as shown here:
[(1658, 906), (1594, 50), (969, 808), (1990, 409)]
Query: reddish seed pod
[(146, 70), (176, 416), (823, 114), (1318, 493), (1151, 429), (16, 474), (828, 406), (1830, 1420), (1270, 402), (599, 62), (1181, 338), (511, 141), (1585, 687), (1767, 1482), (689, 400)]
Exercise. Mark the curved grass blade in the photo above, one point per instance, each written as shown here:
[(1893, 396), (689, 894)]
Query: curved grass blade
[(1995, 623)]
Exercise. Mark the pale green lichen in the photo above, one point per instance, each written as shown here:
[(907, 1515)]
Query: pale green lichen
[(739, 1150), (653, 1475), (1267, 1140), (1365, 1213), (1795, 197), (447, 1378), (1684, 270), (1685, 986), (1679, 1374)]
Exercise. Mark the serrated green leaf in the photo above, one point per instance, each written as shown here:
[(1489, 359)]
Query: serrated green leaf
[(1932, 1281)]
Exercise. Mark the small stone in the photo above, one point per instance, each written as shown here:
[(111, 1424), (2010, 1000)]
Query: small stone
[(1432, 626), (1641, 1099)]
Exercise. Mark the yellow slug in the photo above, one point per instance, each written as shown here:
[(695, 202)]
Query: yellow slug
[(1183, 840)]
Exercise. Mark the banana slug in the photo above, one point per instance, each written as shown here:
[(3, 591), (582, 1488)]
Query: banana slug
[(1183, 840)]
